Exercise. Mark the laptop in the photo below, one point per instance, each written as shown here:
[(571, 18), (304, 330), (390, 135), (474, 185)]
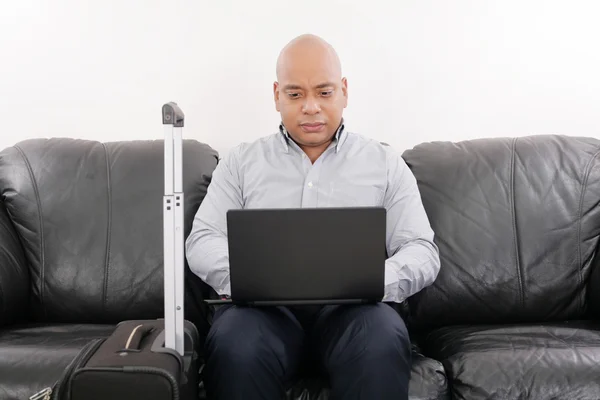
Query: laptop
[(306, 256)]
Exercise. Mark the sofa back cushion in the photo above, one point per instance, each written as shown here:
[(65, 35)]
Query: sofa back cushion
[(89, 215), (517, 224)]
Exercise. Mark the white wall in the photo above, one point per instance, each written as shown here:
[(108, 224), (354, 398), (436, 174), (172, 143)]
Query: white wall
[(418, 70)]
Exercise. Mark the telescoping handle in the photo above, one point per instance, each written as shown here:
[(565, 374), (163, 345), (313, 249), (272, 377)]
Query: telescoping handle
[(173, 120)]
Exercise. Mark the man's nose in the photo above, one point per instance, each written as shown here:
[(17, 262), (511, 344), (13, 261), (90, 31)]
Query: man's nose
[(311, 106)]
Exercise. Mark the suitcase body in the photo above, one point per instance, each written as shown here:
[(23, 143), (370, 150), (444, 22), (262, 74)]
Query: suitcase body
[(134, 364)]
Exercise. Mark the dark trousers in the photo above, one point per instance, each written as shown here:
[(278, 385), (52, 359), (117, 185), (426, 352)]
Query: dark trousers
[(257, 352)]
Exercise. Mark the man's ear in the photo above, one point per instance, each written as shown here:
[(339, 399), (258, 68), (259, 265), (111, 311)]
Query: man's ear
[(276, 94), (345, 91)]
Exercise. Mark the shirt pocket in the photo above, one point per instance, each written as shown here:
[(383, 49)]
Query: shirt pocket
[(354, 195)]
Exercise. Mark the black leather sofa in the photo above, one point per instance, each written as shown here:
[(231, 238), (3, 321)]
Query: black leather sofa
[(512, 315)]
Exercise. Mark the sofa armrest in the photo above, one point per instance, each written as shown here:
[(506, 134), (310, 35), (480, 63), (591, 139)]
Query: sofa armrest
[(14, 274), (593, 287)]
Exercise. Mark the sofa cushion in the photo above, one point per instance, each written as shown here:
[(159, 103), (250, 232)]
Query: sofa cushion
[(550, 361), (89, 216), (427, 382), (33, 357), (517, 223)]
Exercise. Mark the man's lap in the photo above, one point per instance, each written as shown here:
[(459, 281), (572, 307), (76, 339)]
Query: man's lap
[(315, 332), (358, 349), (307, 317)]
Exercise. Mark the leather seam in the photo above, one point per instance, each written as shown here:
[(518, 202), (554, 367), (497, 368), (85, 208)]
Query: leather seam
[(108, 229), (38, 201), (514, 221), (584, 185)]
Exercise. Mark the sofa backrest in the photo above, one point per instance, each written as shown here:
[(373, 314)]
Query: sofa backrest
[(89, 216), (517, 224)]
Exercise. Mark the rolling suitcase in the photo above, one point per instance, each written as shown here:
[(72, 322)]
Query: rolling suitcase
[(145, 359)]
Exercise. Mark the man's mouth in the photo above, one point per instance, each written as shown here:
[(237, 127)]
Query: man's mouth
[(312, 126)]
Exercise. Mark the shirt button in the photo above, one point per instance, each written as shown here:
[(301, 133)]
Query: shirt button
[(310, 184)]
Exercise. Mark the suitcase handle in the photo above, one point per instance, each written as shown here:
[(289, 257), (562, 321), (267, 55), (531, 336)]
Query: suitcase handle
[(136, 336)]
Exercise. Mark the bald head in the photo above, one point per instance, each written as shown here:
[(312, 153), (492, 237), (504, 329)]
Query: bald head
[(308, 49), (310, 92)]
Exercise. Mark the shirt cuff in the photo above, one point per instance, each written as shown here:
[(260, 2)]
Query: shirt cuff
[(392, 292), (224, 291)]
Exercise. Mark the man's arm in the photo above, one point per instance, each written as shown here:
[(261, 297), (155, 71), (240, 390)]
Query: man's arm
[(206, 246), (414, 258)]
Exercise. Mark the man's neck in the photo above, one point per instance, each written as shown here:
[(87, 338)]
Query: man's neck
[(314, 152)]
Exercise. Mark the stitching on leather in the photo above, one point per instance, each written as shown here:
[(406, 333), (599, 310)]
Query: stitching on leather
[(514, 218), (579, 256), (41, 225), (108, 230)]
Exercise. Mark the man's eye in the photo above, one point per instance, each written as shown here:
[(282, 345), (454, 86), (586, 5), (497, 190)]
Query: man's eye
[(326, 93), (293, 95)]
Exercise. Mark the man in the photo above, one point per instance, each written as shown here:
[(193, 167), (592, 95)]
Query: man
[(257, 352)]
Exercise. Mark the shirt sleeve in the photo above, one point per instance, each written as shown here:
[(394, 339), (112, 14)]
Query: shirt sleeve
[(206, 246), (413, 261)]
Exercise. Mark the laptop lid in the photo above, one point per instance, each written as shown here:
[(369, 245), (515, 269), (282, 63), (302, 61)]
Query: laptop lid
[(307, 254)]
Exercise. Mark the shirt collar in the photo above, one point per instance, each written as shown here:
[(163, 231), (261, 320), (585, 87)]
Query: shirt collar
[(339, 137)]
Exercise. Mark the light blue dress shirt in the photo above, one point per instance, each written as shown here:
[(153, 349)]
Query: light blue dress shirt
[(273, 172)]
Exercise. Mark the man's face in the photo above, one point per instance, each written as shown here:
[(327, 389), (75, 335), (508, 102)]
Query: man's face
[(310, 96)]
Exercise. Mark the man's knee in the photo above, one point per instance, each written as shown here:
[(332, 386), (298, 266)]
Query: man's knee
[(246, 338), (381, 319), (372, 355), (385, 332), (373, 333), (235, 337)]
